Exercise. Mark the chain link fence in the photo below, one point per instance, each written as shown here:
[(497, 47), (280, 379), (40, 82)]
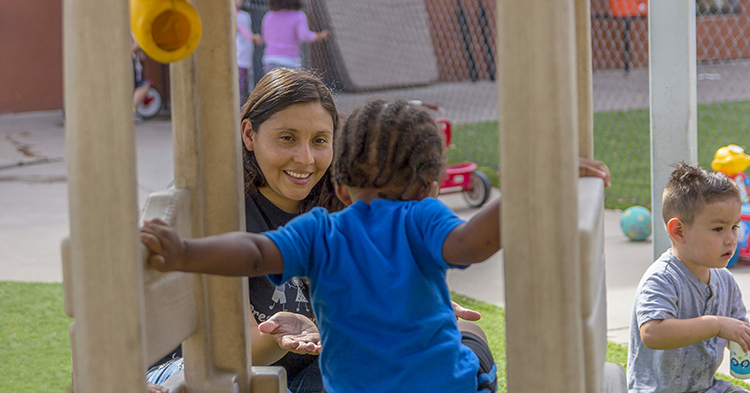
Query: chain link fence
[(443, 52)]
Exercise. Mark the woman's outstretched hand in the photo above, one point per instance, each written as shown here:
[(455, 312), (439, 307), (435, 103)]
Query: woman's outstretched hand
[(293, 332), (465, 313)]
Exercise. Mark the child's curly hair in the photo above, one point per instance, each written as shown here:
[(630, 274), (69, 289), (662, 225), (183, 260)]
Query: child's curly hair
[(690, 188), (388, 144)]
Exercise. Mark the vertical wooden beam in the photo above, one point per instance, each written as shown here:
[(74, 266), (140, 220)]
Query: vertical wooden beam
[(673, 115), (104, 243), (584, 78), (539, 169), (208, 162)]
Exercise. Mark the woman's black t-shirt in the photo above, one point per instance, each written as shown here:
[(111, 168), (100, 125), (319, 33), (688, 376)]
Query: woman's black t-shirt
[(266, 298)]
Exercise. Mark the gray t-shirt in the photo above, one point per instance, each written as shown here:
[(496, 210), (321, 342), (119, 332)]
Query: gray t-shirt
[(669, 289)]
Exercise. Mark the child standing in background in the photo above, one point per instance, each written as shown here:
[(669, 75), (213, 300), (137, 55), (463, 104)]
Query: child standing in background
[(245, 42), (284, 28)]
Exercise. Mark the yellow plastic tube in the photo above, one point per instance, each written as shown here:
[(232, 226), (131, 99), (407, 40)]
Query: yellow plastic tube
[(166, 30)]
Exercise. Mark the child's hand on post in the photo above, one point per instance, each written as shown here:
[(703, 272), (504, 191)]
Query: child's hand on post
[(595, 168), (735, 330), (166, 248)]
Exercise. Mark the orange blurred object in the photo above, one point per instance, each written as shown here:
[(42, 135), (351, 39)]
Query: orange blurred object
[(625, 8)]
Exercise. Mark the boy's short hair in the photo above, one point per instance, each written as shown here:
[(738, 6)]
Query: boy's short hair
[(690, 188)]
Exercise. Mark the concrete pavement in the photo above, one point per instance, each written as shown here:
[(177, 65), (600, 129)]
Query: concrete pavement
[(34, 216)]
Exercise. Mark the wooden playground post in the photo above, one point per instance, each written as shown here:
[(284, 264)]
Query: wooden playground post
[(584, 78), (104, 242), (539, 150), (208, 163), (127, 316)]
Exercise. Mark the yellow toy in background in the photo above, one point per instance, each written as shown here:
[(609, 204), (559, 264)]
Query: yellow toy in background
[(730, 160), (166, 30)]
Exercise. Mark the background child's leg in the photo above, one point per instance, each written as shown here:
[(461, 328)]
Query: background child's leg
[(244, 84)]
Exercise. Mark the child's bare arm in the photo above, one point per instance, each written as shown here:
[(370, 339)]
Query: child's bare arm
[(228, 254), (677, 333), (476, 240)]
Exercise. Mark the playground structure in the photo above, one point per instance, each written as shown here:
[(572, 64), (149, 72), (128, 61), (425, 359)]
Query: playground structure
[(127, 315)]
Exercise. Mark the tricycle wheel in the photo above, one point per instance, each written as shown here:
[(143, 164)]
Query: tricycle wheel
[(151, 105), (479, 189)]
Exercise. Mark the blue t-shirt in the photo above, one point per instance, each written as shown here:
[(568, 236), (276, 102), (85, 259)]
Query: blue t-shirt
[(378, 288), (669, 289)]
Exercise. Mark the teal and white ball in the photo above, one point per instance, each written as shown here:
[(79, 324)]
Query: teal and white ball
[(635, 223)]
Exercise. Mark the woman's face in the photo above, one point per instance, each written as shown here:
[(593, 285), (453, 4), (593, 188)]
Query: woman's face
[(294, 149)]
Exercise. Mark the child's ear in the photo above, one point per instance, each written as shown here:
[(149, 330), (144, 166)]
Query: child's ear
[(342, 192), (431, 191), (247, 134), (676, 230)]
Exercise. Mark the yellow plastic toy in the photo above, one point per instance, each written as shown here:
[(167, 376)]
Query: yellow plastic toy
[(730, 160), (166, 30)]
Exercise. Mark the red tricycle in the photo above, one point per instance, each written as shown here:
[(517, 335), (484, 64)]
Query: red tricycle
[(463, 177)]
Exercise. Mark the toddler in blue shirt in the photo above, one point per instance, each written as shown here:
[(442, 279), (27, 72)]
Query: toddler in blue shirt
[(376, 269)]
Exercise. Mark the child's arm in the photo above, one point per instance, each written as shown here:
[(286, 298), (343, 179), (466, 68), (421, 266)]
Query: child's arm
[(322, 36), (476, 240), (677, 333), (228, 254)]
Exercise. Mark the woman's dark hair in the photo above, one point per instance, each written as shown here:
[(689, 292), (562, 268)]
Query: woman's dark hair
[(277, 90), (278, 5), (383, 144)]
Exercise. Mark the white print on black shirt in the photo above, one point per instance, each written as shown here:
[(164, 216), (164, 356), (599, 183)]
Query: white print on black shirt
[(301, 299), (279, 296)]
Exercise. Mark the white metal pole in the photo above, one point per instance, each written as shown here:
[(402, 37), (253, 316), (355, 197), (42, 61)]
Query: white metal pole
[(672, 67)]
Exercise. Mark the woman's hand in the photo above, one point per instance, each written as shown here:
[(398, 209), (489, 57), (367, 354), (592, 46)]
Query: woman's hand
[(465, 313), (293, 332)]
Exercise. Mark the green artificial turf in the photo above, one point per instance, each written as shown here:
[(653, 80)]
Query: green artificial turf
[(622, 141), (34, 344), (35, 348)]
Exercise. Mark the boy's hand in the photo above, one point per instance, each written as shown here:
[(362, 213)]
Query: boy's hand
[(735, 330), (166, 248)]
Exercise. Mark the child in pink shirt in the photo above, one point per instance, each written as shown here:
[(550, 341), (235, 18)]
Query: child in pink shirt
[(284, 28)]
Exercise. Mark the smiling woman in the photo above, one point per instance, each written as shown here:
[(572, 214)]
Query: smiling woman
[(287, 132), (293, 150)]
